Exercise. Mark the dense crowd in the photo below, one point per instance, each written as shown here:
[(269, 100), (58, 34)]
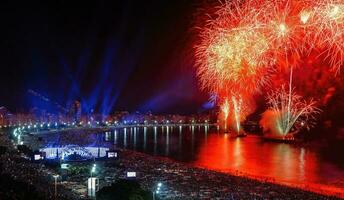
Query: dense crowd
[(19, 169)]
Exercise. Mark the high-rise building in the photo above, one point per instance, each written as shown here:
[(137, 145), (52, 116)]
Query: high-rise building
[(75, 111)]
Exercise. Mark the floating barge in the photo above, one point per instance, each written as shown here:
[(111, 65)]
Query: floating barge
[(235, 134), (289, 138)]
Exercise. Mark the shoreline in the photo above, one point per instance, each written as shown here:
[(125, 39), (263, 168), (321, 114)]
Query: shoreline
[(279, 189), (313, 188)]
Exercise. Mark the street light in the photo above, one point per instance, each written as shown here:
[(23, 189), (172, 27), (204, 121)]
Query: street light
[(93, 169), (157, 191), (55, 177)]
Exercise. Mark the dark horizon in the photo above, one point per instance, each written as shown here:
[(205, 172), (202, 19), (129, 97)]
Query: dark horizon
[(122, 55)]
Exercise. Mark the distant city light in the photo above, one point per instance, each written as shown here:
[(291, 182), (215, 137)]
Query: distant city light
[(131, 174)]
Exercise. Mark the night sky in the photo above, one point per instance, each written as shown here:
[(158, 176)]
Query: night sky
[(111, 55)]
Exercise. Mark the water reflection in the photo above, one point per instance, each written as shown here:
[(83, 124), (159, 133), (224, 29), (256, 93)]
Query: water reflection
[(192, 140), (144, 138), (125, 137), (115, 136), (180, 139), (107, 136), (167, 148), (238, 159), (302, 164), (277, 162), (155, 139), (206, 147), (135, 138)]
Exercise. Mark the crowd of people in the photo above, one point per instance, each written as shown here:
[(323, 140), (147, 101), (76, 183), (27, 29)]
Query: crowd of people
[(22, 172)]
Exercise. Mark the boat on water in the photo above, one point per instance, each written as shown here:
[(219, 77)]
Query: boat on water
[(289, 138), (235, 134), (241, 134)]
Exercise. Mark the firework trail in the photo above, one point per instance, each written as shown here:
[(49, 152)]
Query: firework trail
[(234, 111), (225, 113), (237, 111)]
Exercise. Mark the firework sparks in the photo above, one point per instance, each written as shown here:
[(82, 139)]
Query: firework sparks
[(249, 40), (329, 27), (276, 27), (288, 114), (233, 59)]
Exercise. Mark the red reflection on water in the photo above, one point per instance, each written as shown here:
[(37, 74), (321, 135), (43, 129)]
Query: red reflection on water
[(282, 163)]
